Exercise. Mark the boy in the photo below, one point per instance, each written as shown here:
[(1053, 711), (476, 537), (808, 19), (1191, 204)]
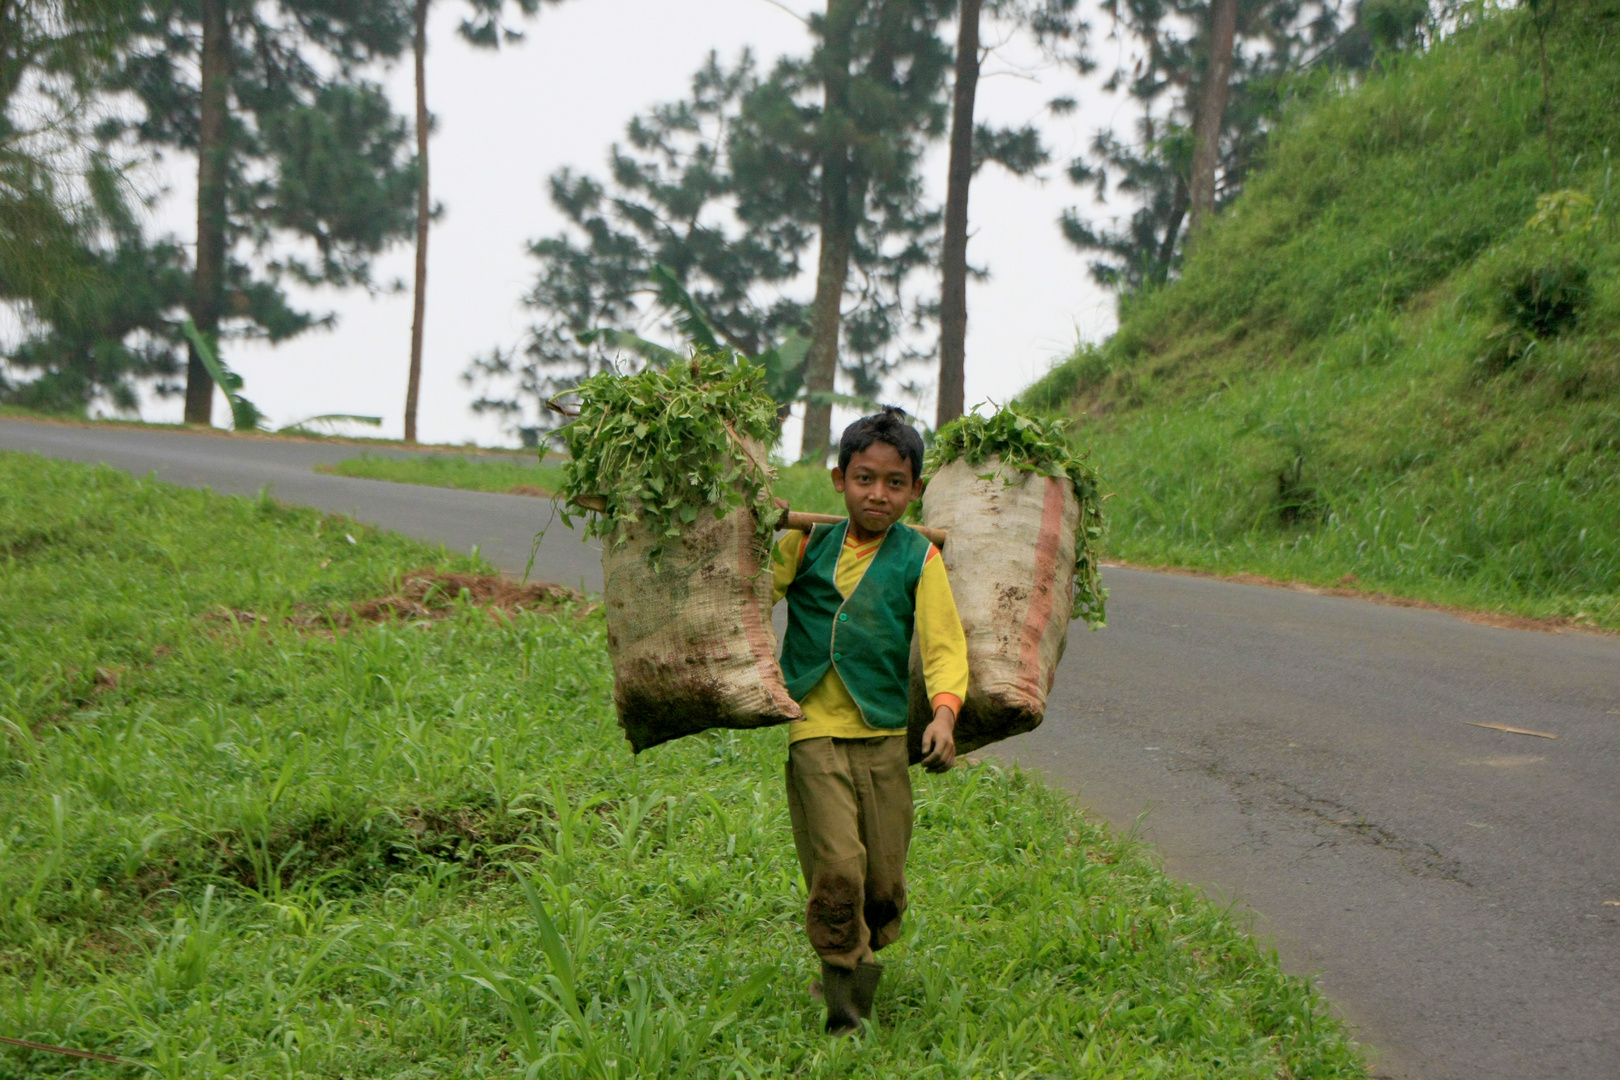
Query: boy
[(855, 593)]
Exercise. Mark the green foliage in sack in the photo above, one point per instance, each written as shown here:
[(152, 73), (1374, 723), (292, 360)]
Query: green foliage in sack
[(1039, 445), (662, 447)]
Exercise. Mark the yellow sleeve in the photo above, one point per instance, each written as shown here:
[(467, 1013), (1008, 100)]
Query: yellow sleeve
[(785, 557), (939, 636)]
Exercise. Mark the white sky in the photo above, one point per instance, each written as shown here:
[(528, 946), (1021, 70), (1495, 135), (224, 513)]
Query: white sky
[(506, 120)]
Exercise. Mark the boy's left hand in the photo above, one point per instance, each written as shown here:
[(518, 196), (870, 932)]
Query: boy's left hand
[(939, 741)]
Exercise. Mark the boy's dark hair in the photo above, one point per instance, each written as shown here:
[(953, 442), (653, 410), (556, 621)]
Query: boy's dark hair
[(888, 426)]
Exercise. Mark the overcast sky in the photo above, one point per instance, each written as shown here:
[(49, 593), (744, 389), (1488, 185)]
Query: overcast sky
[(506, 120)]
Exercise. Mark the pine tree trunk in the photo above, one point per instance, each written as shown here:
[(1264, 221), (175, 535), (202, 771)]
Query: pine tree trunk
[(826, 311), (1211, 113), (213, 155), (839, 213), (423, 216), (1167, 250), (953, 290), (1544, 12)]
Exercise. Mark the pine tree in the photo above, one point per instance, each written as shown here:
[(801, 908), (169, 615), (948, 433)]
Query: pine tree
[(725, 191), (304, 172), (671, 201), (1019, 151), (99, 295), (854, 120), (74, 268), (485, 29), (1206, 100)]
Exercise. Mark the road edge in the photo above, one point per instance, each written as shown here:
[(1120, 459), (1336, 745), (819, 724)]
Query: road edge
[(1548, 624)]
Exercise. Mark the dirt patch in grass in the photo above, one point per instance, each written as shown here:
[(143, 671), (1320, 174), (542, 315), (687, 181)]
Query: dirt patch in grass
[(424, 594), (429, 594)]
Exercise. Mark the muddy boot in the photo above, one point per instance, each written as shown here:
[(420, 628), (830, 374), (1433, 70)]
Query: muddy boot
[(838, 991), (867, 974)]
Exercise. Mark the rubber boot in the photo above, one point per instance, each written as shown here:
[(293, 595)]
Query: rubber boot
[(867, 974), (838, 991)]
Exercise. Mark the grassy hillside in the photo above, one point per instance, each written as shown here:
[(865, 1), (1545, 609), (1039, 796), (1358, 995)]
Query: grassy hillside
[(274, 805), (1395, 362)]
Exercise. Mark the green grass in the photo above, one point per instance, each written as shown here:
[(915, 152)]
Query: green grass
[(808, 488), (253, 847), (17, 412), (1342, 382), (454, 471)]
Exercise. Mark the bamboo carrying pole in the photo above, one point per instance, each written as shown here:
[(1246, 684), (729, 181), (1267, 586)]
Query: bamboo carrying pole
[(790, 519)]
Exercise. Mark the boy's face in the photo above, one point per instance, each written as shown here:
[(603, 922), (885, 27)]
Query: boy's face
[(877, 487)]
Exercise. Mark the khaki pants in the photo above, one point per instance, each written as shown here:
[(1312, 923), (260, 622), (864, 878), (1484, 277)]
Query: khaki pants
[(850, 801)]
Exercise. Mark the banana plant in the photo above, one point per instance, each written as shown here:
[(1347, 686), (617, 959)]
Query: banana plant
[(783, 361), (327, 421), (245, 416)]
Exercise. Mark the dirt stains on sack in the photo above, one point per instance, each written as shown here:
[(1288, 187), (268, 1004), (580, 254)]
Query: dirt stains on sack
[(681, 704), (689, 635), (1012, 566)]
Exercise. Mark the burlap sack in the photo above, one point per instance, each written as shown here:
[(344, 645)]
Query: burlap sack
[(691, 642), (1010, 556)]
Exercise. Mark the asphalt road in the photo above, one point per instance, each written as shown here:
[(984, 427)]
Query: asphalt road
[(1455, 888)]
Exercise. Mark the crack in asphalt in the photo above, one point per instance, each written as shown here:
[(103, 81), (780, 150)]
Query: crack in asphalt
[(1258, 792)]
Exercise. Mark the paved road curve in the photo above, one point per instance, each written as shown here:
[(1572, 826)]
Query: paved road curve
[(1311, 758)]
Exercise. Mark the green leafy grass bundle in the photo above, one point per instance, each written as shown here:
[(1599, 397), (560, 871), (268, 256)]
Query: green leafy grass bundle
[(483, 473), (1041, 445), (662, 446), (419, 849)]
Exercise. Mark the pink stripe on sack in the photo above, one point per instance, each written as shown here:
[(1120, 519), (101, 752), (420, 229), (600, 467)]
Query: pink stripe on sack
[(1040, 600), (770, 674)]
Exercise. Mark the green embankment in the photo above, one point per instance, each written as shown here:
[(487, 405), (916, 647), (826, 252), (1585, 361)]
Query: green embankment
[(515, 475), (808, 488), (1397, 356), (245, 832)]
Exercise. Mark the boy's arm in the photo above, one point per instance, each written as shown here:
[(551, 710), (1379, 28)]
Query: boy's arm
[(785, 556), (943, 649)]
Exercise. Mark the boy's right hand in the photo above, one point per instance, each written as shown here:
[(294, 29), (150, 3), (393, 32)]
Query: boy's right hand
[(939, 741)]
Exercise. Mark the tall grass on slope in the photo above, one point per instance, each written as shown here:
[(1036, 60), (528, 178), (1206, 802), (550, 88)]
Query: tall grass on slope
[(1397, 357), (422, 849), (1371, 196)]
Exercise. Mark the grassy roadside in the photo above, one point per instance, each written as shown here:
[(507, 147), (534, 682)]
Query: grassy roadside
[(245, 832), (511, 476)]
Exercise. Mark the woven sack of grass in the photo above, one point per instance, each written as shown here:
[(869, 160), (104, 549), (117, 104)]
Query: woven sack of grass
[(673, 467), (1023, 514)]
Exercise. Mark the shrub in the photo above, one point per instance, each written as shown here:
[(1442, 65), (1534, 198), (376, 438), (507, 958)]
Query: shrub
[(1547, 298)]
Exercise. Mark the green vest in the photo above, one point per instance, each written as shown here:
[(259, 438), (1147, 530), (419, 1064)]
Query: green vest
[(865, 638)]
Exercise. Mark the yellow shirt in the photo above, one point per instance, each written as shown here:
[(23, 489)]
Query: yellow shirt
[(828, 708)]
